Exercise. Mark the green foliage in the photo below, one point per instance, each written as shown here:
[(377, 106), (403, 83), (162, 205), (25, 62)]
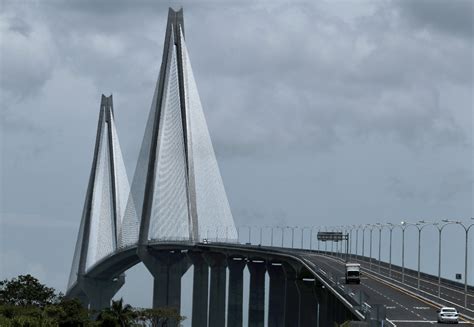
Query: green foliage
[(157, 317), (25, 290), (68, 312), (121, 315), (25, 302)]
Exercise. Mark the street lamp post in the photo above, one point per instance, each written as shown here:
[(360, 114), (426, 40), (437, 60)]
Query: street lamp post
[(282, 235), (466, 229), (271, 238), (419, 226), (351, 228), (391, 227), (357, 242), (292, 235), (363, 241), (302, 235), (370, 249), (440, 230), (465, 262), (326, 243), (249, 235), (311, 238), (379, 226)]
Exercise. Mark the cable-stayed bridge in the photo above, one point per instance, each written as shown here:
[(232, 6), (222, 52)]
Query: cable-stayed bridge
[(176, 214)]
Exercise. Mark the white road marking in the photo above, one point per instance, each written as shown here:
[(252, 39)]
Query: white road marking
[(424, 321)]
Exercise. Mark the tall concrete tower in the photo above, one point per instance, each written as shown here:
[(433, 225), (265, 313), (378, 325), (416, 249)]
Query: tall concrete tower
[(178, 193)]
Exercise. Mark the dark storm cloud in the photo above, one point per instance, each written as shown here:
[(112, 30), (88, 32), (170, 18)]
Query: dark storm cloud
[(310, 107), (291, 74), (452, 17)]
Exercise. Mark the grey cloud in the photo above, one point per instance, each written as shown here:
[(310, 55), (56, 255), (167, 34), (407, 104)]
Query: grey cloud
[(453, 17), (444, 189), (309, 109), (28, 56), (291, 75)]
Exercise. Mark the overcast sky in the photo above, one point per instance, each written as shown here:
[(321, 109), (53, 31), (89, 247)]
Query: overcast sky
[(327, 113)]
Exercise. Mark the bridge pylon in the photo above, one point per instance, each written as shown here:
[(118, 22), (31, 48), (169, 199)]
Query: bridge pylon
[(100, 231), (177, 190)]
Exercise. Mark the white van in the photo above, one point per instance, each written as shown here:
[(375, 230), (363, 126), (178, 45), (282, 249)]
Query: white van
[(353, 273)]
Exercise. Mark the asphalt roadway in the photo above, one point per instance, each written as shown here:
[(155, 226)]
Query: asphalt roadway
[(402, 308), (452, 294)]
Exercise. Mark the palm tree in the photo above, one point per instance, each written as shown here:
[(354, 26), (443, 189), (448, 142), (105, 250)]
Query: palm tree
[(122, 314)]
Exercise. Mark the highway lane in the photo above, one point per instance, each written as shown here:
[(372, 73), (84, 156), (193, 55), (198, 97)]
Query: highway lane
[(449, 292), (402, 309)]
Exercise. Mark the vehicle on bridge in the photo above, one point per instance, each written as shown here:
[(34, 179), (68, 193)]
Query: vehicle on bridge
[(448, 315), (353, 273)]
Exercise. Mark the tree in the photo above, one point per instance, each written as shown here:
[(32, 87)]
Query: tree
[(159, 317), (122, 314), (68, 312), (25, 290)]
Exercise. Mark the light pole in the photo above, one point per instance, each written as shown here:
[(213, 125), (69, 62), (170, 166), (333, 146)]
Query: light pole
[(371, 228), (311, 237), (338, 245), (335, 253), (466, 229), (379, 226), (326, 243), (440, 227), (282, 235), (391, 227), (271, 238), (302, 235), (292, 235), (419, 226), (351, 228), (363, 241), (357, 242)]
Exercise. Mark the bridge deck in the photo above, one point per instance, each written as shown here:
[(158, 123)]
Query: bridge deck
[(402, 308)]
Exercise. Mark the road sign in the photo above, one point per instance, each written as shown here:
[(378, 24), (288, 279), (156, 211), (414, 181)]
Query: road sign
[(332, 236)]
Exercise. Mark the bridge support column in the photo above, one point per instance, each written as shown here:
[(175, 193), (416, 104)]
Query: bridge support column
[(323, 300), (276, 301), (200, 289), (257, 293), (308, 312), (82, 297), (292, 297), (236, 291), (100, 292), (217, 306), (167, 268)]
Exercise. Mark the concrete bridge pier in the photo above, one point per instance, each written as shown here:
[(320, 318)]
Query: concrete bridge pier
[(200, 289), (236, 291), (100, 292), (276, 298), (167, 268), (217, 291), (257, 270), (292, 298), (308, 313), (82, 297), (323, 300)]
